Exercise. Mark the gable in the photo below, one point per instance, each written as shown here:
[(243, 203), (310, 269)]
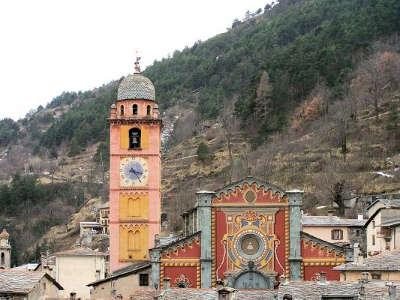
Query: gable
[(250, 192), (188, 247)]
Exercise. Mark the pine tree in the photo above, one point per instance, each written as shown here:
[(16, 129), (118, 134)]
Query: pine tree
[(203, 152)]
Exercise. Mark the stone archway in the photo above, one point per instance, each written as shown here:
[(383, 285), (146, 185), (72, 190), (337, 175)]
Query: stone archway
[(253, 280)]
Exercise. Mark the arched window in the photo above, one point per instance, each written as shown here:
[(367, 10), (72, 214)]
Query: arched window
[(134, 109), (122, 110), (148, 110), (133, 207), (337, 234), (3, 259), (134, 138), (133, 240)]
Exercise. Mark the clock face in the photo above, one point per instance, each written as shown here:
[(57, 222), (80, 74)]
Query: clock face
[(133, 172)]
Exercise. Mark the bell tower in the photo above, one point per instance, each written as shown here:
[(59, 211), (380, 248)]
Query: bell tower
[(5, 250), (135, 170)]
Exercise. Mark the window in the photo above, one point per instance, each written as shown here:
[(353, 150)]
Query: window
[(337, 234), (134, 109), (143, 279), (373, 240), (376, 275), (122, 110), (3, 259), (358, 232), (373, 224), (148, 110), (134, 138), (133, 207), (133, 240)]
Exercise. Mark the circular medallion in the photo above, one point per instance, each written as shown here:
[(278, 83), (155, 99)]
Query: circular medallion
[(250, 196), (250, 244)]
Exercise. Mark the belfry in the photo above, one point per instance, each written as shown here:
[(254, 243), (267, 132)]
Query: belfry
[(135, 170)]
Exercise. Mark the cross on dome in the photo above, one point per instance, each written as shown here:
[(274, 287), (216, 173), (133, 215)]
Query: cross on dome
[(137, 64)]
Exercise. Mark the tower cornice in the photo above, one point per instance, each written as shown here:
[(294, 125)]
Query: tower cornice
[(127, 121)]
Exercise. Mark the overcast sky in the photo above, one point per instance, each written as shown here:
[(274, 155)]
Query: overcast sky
[(51, 46)]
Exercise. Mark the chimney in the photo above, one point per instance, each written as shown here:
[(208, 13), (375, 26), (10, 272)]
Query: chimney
[(364, 276), (166, 283), (356, 253), (322, 278), (360, 217), (391, 290), (284, 280), (220, 284), (331, 212), (226, 293)]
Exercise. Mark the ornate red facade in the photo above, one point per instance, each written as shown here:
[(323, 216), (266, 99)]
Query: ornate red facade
[(250, 241)]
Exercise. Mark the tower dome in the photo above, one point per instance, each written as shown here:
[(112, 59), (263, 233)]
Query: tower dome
[(4, 234), (136, 86)]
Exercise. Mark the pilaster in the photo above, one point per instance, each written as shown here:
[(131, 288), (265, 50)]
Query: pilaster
[(203, 204), (295, 259), (155, 259)]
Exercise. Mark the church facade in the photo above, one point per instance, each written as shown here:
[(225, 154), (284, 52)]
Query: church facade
[(247, 234)]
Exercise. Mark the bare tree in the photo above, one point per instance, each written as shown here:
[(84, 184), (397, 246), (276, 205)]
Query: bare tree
[(375, 76), (335, 184)]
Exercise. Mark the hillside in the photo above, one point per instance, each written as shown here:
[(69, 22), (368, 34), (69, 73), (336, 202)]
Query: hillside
[(305, 94)]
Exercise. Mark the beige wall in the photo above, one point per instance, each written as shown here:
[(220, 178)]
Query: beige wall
[(355, 276), (75, 272), (44, 289), (324, 233), (395, 241), (122, 285)]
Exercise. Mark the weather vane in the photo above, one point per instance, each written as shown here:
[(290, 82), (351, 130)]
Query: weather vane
[(137, 63)]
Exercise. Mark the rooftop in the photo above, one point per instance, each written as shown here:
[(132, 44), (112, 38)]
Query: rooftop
[(211, 294), (388, 203), (104, 205), (136, 86), (131, 269), (391, 222), (386, 261), (21, 282), (314, 290), (300, 290), (80, 252), (331, 221), (27, 267)]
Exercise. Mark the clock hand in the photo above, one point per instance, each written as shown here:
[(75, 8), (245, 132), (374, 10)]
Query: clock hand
[(136, 174)]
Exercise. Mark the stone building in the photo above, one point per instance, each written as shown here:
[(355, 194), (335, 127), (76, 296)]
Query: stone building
[(383, 226), (76, 268), (384, 266), (103, 218), (123, 283), (28, 285), (5, 250), (336, 230)]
